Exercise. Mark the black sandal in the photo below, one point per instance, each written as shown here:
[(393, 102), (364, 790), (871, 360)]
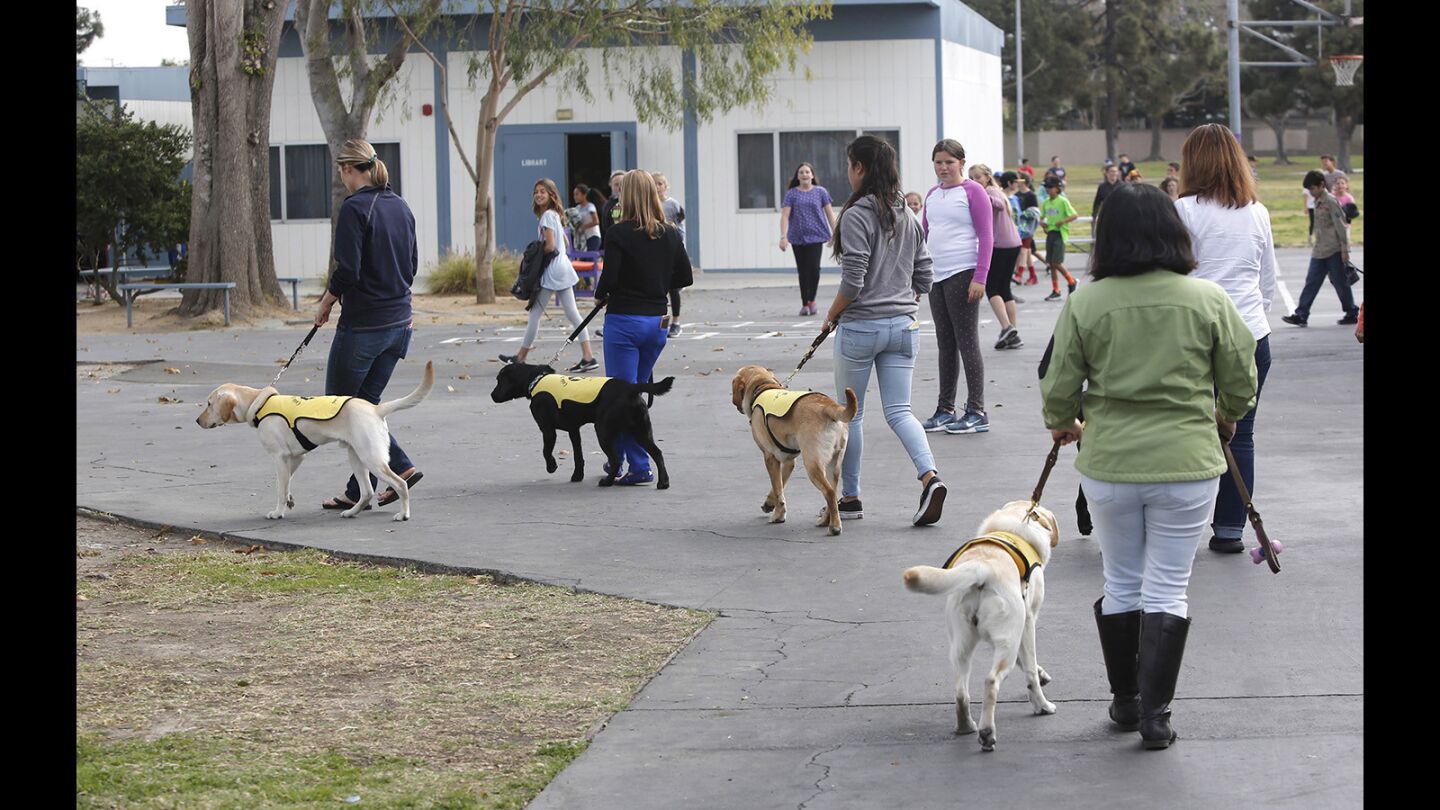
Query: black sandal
[(339, 502), (390, 496)]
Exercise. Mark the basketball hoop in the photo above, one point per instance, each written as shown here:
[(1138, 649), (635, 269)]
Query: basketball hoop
[(1345, 68)]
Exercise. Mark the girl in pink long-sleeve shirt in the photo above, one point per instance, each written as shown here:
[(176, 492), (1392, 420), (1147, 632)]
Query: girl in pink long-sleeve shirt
[(959, 231)]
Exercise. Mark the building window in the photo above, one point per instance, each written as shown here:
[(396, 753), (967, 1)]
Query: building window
[(300, 179), (767, 161)]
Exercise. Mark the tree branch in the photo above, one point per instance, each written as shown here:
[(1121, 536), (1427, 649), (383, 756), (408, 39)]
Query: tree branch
[(444, 91)]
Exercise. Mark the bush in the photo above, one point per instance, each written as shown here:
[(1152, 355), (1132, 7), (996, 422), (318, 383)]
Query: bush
[(455, 274)]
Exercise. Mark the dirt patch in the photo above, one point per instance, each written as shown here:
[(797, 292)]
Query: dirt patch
[(259, 664), (156, 314)]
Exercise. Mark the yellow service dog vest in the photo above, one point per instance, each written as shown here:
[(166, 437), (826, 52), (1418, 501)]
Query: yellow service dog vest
[(321, 409), (1019, 550), (777, 402), (583, 390)]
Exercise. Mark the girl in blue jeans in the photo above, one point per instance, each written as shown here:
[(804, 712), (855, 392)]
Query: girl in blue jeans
[(885, 269), (645, 259), (375, 261)]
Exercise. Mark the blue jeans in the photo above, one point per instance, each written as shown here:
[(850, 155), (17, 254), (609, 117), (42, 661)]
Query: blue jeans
[(889, 346), (632, 345), (1334, 267), (1229, 520), (360, 365)]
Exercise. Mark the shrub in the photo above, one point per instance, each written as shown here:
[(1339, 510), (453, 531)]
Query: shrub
[(455, 274)]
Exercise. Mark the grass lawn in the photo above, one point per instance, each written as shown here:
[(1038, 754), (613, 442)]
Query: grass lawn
[(1280, 191), (214, 676)]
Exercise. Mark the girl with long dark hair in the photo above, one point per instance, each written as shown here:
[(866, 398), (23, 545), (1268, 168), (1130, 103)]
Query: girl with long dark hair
[(806, 222), (885, 268)]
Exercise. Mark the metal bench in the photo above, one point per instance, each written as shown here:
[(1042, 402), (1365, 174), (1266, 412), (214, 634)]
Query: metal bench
[(131, 289), (294, 290)]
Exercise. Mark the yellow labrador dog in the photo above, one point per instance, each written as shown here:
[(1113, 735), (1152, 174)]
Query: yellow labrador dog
[(787, 424), (288, 436), (996, 584)]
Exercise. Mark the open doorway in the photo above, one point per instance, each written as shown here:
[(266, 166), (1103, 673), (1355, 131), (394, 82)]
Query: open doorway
[(587, 160)]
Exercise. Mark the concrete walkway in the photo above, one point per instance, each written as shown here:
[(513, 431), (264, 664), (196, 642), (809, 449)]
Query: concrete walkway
[(823, 683)]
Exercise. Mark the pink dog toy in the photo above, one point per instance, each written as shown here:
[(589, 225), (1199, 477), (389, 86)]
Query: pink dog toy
[(1257, 554)]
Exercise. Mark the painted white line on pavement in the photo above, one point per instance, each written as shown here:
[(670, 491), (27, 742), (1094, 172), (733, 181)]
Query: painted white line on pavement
[(1285, 294), (702, 335)]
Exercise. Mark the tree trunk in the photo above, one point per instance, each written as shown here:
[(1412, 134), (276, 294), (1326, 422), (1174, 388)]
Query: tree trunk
[(1157, 122), (1277, 125), (1112, 102), (230, 238), (1344, 128), (484, 200)]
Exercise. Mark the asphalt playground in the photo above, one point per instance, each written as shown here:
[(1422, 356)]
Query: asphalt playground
[(823, 683)]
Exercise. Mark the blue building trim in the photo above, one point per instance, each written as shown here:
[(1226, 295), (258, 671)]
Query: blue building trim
[(442, 164), (963, 25), (692, 167), (140, 84)]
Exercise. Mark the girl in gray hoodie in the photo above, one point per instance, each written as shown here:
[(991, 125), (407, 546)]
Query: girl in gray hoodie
[(885, 269)]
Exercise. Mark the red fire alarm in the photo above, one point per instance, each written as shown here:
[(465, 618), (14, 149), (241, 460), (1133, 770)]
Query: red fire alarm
[(426, 109)]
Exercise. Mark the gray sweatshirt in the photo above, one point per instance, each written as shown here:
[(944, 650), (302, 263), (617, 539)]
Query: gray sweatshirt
[(883, 273)]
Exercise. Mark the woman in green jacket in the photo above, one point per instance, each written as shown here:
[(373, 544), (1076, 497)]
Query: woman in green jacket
[(1167, 359)]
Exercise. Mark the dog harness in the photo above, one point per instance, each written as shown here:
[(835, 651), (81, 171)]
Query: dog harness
[(321, 409), (1019, 550), (777, 402), (583, 390)]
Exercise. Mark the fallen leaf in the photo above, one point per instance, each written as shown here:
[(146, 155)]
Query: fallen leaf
[(704, 374), (718, 349), (281, 361), (718, 370), (113, 391), (250, 550), (268, 573), (450, 388), (172, 371), (509, 656), (197, 540), (80, 597), (164, 400), (87, 552), (562, 453), (463, 377)]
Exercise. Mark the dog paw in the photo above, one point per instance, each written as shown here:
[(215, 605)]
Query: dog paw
[(275, 515), (767, 507), (778, 517), (577, 477), (1046, 708), (663, 483), (987, 739), (290, 502), (834, 530), (401, 516), (550, 465), (1044, 677), (607, 481), (350, 513)]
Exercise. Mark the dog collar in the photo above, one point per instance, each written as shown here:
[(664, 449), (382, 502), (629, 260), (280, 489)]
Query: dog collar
[(1020, 551), (530, 389)]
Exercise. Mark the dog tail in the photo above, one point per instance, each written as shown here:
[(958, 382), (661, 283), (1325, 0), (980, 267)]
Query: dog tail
[(654, 389), (413, 398), (846, 413), (928, 579)]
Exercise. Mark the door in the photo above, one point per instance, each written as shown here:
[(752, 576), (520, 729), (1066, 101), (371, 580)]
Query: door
[(520, 160), (619, 151)]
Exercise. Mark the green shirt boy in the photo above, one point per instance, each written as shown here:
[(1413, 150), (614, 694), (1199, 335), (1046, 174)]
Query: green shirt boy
[(1058, 213)]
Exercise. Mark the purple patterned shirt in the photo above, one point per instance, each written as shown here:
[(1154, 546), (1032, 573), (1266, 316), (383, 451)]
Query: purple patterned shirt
[(808, 224)]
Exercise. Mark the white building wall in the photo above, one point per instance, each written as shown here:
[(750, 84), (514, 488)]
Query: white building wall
[(163, 112), (885, 84), (973, 106), (302, 247), (656, 149)]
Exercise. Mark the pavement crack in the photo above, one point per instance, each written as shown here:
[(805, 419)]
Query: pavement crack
[(826, 775)]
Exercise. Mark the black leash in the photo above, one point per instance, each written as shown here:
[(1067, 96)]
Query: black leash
[(578, 330), (298, 349)]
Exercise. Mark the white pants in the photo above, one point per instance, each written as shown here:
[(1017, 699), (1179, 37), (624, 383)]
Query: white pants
[(1148, 535), (572, 313)]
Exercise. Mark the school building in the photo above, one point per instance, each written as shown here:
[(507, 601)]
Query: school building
[(911, 70)]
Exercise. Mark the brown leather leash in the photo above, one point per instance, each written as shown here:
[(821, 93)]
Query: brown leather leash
[(1266, 546), (1044, 476)]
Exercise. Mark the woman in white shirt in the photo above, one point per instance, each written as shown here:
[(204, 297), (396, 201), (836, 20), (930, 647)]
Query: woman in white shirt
[(1234, 248), (559, 278)]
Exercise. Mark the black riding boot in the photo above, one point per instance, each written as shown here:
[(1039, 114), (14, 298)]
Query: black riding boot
[(1162, 645), (1120, 643)]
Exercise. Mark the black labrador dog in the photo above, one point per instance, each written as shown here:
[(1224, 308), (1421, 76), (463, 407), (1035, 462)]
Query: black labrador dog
[(567, 403)]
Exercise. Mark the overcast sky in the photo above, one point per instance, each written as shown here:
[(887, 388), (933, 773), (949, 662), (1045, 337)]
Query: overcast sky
[(135, 35)]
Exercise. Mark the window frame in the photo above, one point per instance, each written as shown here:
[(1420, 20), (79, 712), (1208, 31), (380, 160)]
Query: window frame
[(780, 180), (280, 178)]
